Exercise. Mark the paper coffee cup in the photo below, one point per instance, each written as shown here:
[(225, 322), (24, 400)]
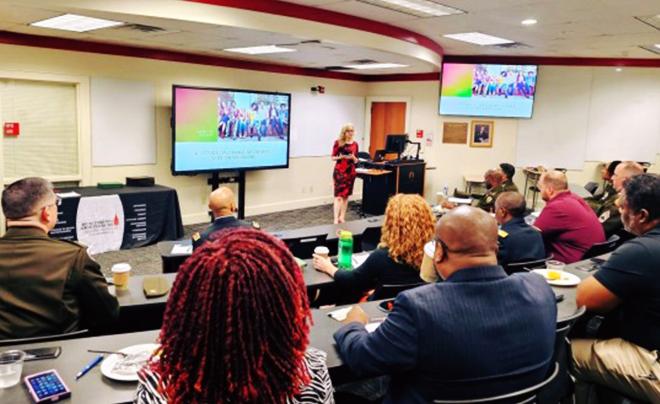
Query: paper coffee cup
[(427, 271), (120, 274), (323, 251)]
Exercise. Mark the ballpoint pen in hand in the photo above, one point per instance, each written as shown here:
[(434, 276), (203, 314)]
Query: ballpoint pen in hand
[(89, 366)]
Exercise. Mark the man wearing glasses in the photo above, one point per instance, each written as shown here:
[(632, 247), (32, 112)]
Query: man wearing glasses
[(47, 286)]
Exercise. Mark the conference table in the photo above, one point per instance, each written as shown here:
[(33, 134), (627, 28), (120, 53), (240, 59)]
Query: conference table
[(182, 248), (138, 312), (94, 387), (121, 218)]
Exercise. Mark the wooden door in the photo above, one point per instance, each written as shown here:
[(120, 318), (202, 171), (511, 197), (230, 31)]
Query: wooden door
[(386, 118)]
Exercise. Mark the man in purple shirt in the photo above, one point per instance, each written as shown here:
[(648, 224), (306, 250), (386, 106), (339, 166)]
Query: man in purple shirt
[(568, 225)]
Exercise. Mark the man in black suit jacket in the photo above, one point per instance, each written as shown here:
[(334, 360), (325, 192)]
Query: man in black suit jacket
[(518, 241), (478, 333), (222, 204)]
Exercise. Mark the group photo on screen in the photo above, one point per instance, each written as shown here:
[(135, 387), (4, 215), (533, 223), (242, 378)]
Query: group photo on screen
[(252, 116), (503, 81)]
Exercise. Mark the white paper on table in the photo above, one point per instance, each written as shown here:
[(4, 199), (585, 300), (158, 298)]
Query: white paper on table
[(460, 201), (182, 249), (358, 259), (371, 327), (70, 194), (340, 314)]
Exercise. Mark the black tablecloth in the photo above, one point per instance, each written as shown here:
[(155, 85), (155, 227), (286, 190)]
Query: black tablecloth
[(150, 214)]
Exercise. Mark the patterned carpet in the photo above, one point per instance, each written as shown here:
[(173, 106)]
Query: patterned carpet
[(146, 260)]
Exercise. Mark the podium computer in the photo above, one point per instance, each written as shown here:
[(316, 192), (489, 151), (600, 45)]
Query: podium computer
[(380, 180)]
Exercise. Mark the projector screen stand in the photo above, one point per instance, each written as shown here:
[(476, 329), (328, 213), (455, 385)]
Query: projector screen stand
[(239, 179)]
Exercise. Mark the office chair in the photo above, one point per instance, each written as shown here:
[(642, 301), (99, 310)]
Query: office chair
[(370, 238), (591, 187), (390, 291), (602, 248), (525, 266), (45, 338), (523, 396), (303, 247)]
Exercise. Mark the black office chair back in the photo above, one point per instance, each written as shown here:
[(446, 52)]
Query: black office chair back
[(602, 248), (523, 396), (390, 291), (591, 187), (525, 266), (364, 155), (370, 238), (45, 338), (303, 247)]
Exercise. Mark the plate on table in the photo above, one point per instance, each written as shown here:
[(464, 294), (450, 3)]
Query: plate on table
[(567, 278), (125, 368)]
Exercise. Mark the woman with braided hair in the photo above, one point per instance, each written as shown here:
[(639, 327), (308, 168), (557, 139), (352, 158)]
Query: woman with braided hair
[(236, 328)]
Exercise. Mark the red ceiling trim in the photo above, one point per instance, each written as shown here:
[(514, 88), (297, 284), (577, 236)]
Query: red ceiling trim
[(552, 61), (293, 10)]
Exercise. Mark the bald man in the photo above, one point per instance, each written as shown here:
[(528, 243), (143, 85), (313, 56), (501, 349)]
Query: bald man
[(518, 241), (608, 213), (478, 333), (568, 225), (222, 204)]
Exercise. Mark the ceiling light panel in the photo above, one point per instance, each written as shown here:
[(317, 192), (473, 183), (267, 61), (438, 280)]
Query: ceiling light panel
[(260, 50), (478, 38), (418, 8), (367, 66), (76, 23)]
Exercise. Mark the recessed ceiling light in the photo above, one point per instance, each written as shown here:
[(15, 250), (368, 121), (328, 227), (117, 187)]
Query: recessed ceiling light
[(657, 45), (365, 66), (478, 38), (260, 50), (529, 21), (618, 69), (420, 8), (76, 23)]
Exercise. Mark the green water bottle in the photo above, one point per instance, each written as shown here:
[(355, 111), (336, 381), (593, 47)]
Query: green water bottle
[(345, 249)]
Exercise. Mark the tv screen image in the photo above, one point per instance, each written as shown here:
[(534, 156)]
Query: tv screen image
[(488, 90), (220, 129)]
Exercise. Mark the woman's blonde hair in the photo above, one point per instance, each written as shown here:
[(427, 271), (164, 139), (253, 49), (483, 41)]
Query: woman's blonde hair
[(409, 224), (342, 133)]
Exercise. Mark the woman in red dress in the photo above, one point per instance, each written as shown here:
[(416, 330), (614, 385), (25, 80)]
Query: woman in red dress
[(344, 153)]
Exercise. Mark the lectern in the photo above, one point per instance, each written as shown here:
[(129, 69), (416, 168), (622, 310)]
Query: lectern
[(390, 178)]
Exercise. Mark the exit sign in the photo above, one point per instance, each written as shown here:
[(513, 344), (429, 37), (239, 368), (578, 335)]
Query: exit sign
[(11, 129)]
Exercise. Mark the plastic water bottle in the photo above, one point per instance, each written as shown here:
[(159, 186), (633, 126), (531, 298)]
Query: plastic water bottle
[(345, 249), (445, 191)]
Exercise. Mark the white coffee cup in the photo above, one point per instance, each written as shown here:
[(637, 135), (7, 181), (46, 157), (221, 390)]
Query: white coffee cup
[(322, 250), (427, 271), (121, 272)]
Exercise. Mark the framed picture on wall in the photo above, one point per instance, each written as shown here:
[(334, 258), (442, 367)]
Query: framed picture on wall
[(481, 133)]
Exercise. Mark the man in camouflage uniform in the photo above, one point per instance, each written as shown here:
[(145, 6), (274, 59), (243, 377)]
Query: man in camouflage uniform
[(497, 183), (608, 213), (47, 286), (607, 192)]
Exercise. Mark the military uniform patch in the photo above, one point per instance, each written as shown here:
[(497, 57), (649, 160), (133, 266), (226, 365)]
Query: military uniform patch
[(604, 216), (196, 236), (502, 233)]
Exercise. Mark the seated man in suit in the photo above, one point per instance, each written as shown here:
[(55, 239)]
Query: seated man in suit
[(518, 241), (568, 225), (47, 286), (629, 282), (607, 192), (509, 171), (608, 213), (222, 204), (478, 333)]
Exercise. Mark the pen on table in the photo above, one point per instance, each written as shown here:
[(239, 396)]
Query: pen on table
[(89, 366)]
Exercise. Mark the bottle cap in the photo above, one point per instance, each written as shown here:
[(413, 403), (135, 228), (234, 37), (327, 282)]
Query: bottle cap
[(345, 234)]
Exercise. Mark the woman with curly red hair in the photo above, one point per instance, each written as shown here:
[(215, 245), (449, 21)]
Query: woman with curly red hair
[(408, 225), (236, 328)]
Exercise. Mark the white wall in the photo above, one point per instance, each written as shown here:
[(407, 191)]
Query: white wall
[(308, 181)]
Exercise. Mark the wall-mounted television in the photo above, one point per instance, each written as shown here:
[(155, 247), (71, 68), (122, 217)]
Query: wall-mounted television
[(492, 90), (215, 129)]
